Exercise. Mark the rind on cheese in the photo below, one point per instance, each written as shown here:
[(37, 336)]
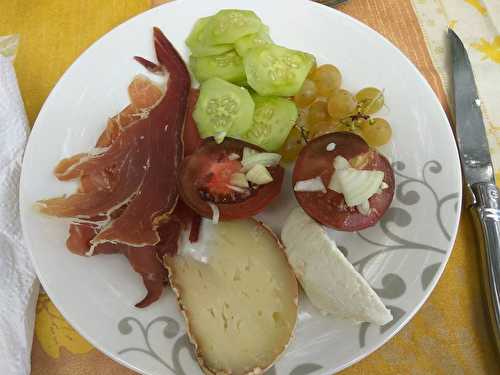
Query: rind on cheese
[(238, 295), (331, 283)]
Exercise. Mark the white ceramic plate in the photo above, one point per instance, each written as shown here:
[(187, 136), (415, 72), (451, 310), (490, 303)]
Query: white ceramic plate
[(402, 257)]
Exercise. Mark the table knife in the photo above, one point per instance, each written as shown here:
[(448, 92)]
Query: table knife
[(482, 195), (331, 3)]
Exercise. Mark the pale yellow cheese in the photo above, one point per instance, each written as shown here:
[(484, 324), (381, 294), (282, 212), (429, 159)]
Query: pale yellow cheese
[(239, 296)]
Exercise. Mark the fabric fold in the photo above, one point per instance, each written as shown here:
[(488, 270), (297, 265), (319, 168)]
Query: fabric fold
[(19, 290)]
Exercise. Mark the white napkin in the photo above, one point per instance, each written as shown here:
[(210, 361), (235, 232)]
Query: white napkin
[(18, 284)]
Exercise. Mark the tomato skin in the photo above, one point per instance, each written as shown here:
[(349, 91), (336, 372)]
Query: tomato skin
[(329, 208), (210, 152)]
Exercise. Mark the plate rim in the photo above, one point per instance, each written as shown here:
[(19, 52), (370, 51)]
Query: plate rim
[(361, 355)]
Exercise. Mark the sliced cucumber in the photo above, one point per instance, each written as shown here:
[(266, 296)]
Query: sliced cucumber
[(196, 41), (273, 119), (228, 66), (223, 109), (243, 45), (229, 25), (275, 70)]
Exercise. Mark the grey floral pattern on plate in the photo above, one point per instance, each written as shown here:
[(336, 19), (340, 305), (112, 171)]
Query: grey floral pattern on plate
[(171, 330), (408, 193)]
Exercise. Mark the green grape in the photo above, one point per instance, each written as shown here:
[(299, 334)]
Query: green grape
[(376, 132), (317, 112), (293, 145), (327, 78), (322, 127), (312, 70), (341, 104), (306, 95), (370, 100)]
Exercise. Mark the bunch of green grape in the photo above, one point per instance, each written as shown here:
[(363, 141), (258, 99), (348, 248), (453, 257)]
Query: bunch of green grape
[(328, 108)]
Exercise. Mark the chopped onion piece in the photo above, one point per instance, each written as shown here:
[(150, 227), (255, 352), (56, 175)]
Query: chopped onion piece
[(233, 156), (236, 188), (266, 159), (215, 212), (247, 152), (239, 179), (330, 146), (356, 185), (364, 208), (383, 186), (259, 175), (341, 163), (313, 184), (334, 183), (219, 137)]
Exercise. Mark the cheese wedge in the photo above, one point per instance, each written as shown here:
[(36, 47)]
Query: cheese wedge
[(238, 295), (331, 283)]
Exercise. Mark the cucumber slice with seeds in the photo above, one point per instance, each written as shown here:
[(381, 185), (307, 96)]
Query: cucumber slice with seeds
[(197, 43), (273, 119), (223, 109), (276, 70), (243, 45), (229, 25), (228, 66)]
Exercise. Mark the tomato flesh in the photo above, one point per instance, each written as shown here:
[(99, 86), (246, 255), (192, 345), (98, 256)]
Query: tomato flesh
[(329, 208), (204, 177), (214, 182)]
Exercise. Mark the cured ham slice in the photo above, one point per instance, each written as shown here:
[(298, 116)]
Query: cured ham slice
[(144, 261), (127, 191), (143, 95), (147, 261), (142, 156), (192, 139)]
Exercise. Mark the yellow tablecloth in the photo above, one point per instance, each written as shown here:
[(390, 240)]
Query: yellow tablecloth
[(450, 334)]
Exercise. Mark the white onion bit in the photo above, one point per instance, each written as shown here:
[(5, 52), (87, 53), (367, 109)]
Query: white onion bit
[(341, 163), (364, 208), (330, 146), (313, 184), (215, 212), (236, 188)]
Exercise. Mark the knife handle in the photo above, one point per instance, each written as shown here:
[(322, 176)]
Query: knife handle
[(486, 213)]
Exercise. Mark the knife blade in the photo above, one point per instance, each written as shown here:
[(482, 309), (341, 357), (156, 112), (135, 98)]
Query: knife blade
[(471, 136), (482, 193)]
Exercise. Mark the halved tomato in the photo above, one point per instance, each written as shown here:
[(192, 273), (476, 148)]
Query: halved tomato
[(329, 208), (204, 177)]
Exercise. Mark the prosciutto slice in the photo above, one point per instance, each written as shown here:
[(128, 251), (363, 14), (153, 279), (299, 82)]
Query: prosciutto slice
[(127, 199), (137, 165), (148, 260)]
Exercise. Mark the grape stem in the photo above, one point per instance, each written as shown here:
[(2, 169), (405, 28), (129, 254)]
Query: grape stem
[(303, 133), (351, 121)]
